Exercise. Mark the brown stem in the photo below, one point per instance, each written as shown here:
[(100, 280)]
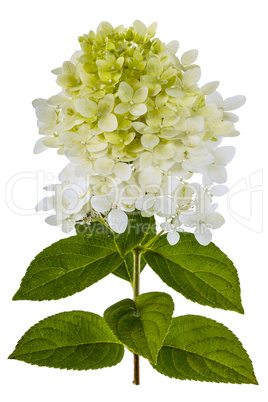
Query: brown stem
[(136, 380), (136, 292)]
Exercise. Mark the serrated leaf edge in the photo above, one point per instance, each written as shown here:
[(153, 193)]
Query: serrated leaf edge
[(238, 308)]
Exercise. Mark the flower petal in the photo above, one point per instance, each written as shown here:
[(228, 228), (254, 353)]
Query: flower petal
[(123, 171), (87, 107), (209, 88), (195, 124), (229, 116), (214, 220), (96, 144), (215, 99), (218, 190), (169, 185), (154, 67), (166, 226), (224, 155), (117, 220), (46, 114), (108, 122), (165, 206), (68, 124), (145, 203), (138, 109), (106, 104), (105, 26), (189, 57), (217, 173), (191, 77), (139, 126), (189, 218), (67, 226), (39, 102), (173, 46), (203, 235), (57, 100), (139, 27), (100, 203), (39, 146), (122, 108), (150, 179), (145, 160), (164, 151), (209, 112), (140, 95), (53, 220), (174, 92), (234, 102), (125, 92), (173, 237), (69, 138), (52, 142), (129, 138), (149, 140), (161, 100), (46, 204), (104, 165), (152, 29)]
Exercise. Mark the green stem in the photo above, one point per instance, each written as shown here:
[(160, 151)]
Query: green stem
[(136, 292), (136, 272), (153, 239)]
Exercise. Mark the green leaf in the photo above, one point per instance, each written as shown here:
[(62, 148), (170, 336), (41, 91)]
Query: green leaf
[(95, 228), (151, 232), (203, 274), (125, 270), (75, 340), (142, 325), (69, 266), (138, 228), (198, 348)]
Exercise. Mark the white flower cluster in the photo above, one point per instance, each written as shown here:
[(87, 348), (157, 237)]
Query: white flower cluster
[(136, 127)]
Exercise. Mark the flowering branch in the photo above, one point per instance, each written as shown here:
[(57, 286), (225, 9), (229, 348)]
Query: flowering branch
[(144, 145)]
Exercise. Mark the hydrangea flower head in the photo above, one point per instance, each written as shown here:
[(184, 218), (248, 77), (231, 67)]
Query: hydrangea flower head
[(138, 131)]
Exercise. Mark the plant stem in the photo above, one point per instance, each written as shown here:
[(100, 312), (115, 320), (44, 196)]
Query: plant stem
[(136, 292), (153, 239)]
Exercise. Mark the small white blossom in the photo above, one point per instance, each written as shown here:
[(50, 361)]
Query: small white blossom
[(203, 219), (172, 230), (226, 105)]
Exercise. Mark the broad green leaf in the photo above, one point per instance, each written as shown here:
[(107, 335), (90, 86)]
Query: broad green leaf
[(75, 340), (69, 266), (151, 232), (138, 228), (142, 325), (198, 348), (203, 274), (125, 270), (95, 228)]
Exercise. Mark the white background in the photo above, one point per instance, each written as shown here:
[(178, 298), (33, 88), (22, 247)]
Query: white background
[(37, 36)]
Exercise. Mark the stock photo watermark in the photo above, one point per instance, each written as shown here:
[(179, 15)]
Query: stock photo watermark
[(244, 199)]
